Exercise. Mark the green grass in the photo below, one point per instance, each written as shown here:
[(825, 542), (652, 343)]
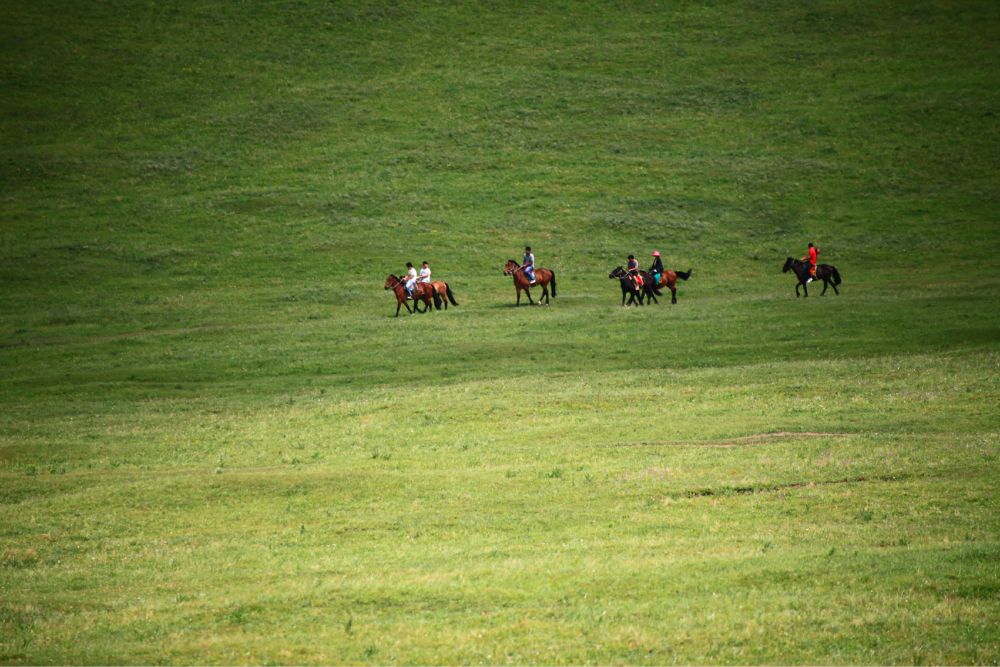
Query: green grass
[(218, 446)]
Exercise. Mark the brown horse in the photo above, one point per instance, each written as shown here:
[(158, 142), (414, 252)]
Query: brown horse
[(444, 293), (421, 292), (668, 280), (543, 277)]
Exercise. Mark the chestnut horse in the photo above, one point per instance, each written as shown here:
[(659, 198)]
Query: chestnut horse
[(521, 283), (421, 292), (668, 280), (825, 272), (444, 292)]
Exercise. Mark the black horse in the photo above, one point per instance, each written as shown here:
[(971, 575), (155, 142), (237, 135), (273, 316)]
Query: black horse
[(628, 286), (825, 272), (648, 291)]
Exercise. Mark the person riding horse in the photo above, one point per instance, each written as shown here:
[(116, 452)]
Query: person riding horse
[(529, 264), (812, 254), (656, 270), (411, 279), (633, 270)]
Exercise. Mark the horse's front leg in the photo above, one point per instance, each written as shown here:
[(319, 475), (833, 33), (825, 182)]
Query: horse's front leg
[(825, 284), (527, 291), (673, 295)]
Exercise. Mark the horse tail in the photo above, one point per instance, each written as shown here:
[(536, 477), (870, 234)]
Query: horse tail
[(684, 275), (836, 275), (437, 299), (451, 295), (553, 282)]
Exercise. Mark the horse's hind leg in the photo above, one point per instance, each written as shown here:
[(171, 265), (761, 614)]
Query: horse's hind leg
[(797, 295), (835, 290), (826, 283), (673, 294)]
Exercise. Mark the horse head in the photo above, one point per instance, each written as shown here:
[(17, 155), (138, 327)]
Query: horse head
[(617, 272), (788, 264), (510, 267), (391, 281)]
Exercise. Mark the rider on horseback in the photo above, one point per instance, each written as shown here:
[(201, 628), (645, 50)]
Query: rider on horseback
[(425, 273), (657, 268), (529, 264), (633, 270), (411, 279), (811, 256)]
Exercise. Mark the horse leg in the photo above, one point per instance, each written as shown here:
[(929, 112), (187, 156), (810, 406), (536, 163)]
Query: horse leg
[(825, 284), (673, 294), (545, 295), (805, 289), (835, 290), (797, 295), (517, 290)]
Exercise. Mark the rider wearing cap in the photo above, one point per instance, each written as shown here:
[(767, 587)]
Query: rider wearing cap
[(657, 268)]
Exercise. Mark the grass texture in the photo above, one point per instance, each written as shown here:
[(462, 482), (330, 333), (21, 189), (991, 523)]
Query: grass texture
[(217, 445)]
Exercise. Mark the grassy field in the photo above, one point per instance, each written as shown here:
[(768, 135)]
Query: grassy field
[(217, 445)]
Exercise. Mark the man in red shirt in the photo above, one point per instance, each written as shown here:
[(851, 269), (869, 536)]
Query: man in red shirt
[(811, 255)]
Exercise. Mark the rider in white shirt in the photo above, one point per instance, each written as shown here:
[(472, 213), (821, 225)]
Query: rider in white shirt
[(425, 273), (411, 278)]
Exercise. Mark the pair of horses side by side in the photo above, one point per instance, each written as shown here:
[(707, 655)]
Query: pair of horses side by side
[(650, 288), (825, 272), (437, 291), (543, 278)]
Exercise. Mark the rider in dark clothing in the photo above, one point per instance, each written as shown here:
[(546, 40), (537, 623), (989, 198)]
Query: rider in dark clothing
[(657, 268)]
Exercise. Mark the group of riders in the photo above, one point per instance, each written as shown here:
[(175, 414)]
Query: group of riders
[(412, 277), (655, 270)]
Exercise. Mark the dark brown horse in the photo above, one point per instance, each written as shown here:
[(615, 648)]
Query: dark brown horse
[(421, 292), (668, 280), (629, 289), (825, 272), (543, 278), (444, 292)]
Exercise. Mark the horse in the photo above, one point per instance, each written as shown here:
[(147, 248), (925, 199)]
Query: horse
[(444, 292), (825, 272), (543, 277), (421, 291), (628, 286), (668, 280)]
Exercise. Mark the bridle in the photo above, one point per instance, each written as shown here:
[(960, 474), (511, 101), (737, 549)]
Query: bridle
[(510, 273)]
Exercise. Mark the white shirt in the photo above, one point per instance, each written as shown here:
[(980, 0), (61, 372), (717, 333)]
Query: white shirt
[(425, 275)]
